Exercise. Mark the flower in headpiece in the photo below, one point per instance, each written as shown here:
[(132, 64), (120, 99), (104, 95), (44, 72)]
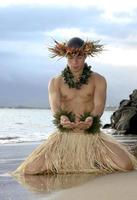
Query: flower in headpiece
[(89, 48)]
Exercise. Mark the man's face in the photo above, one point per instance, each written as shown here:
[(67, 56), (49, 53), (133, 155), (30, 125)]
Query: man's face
[(76, 63)]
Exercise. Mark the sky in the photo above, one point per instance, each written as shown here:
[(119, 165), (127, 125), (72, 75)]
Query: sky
[(27, 29)]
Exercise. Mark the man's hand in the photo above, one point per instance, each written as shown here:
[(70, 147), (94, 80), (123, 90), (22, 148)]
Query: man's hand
[(66, 123), (78, 125), (84, 124)]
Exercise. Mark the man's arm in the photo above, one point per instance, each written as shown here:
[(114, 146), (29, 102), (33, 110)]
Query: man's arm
[(55, 102), (54, 95), (99, 95)]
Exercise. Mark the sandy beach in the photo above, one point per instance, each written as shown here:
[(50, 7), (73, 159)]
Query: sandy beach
[(60, 187)]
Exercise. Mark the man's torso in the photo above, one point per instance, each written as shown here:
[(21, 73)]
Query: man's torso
[(77, 100)]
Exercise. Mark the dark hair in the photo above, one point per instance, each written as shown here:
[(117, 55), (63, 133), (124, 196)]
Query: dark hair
[(75, 42)]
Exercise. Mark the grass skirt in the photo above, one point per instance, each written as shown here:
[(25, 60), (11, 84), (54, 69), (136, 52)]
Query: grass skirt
[(70, 152)]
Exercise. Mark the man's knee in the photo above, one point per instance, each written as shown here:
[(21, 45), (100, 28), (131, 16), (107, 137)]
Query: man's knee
[(120, 157), (126, 165)]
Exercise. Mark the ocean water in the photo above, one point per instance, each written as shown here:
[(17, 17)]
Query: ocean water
[(35, 125), (29, 125)]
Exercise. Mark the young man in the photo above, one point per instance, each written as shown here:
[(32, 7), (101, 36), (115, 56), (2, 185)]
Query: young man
[(82, 97), (77, 98), (89, 97)]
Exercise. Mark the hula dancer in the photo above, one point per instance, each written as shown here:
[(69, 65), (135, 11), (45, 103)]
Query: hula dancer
[(77, 98)]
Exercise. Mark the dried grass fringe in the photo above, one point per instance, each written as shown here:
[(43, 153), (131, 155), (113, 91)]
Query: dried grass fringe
[(64, 153)]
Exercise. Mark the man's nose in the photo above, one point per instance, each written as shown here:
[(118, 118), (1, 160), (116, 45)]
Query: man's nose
[(75, 60)]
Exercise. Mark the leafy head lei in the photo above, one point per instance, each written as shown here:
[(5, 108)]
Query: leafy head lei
[(76, 46)]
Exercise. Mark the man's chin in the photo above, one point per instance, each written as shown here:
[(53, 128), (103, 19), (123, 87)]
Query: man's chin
[(75, 69)]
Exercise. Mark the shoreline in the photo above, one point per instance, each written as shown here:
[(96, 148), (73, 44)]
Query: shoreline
[(107, 108)]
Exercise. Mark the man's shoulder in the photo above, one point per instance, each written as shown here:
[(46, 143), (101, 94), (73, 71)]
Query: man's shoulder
[(99, 80), (55, 80), (98, 77)]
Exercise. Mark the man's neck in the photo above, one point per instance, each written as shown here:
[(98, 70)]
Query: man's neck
[(77, 75)]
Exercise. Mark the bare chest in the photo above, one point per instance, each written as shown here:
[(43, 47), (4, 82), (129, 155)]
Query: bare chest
[(84, 93)]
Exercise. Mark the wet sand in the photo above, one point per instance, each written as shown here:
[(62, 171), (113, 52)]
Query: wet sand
[(60, 187)]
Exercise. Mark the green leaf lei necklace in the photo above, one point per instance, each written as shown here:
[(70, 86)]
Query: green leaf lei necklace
[(70, 80)]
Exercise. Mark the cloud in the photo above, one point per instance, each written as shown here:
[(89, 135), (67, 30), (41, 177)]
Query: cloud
[(30, 22), (119, 57), (44, 18), (27, 28), (120, 81), (20, 93), (110, 9), (30, 52)]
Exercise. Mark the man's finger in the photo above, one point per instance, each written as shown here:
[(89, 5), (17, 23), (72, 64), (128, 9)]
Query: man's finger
[(67, 126)]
